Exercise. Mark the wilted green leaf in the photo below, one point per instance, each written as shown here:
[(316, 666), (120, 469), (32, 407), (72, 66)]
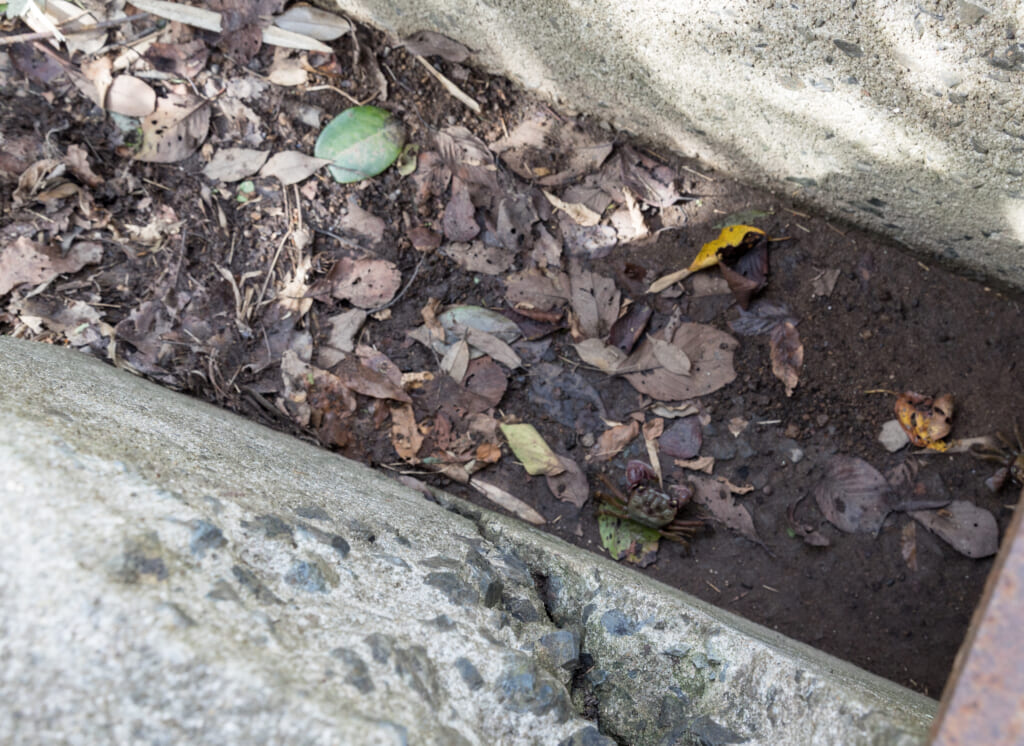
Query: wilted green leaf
[(532, 451), (361, 142), (406, 163), (628, 540)]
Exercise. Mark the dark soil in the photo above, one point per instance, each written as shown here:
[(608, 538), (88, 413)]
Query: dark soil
[(893, 321)]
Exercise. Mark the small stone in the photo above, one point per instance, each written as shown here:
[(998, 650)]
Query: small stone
[(469, 673), (848, 48), (744, 450), (722, 450), (453, 587), (526, 688), (682, 439), (893, 436), (205, 536), (307, 576), (618, 624), (561, 648), (791, 450), (970, 13)]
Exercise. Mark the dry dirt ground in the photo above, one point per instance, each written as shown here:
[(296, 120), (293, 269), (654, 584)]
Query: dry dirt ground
[(206, 286)]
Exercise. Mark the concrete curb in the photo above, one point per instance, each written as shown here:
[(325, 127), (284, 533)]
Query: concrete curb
[(174, 573)]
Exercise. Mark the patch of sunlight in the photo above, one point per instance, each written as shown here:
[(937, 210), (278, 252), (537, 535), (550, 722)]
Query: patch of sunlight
[(1013, 211)]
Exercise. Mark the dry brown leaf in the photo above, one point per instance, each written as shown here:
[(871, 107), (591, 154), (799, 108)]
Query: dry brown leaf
[(853, 495), (234, 164), (344, 328), (459, 221), (705, 464), (542, 139), (378, 362), (717, 497), (571, 485), (543, 290), (478, 257), (629, 327), (368, 382), (581, 214), (606, 358), (77, 159), (653, 430), (174, 131), (710, 352), (967, 528), (628, 220), (131, 97), (595, 302), (488, 453), (787, 354), (488, 381), (508, 501), (670, 357), (456, 360), (491, 345), (405, 436), (366, 283), (362, 223), (25, 261), (611, 442), (823, 284), (291, 167)]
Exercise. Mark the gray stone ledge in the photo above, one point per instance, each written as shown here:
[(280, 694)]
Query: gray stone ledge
[(172, 573)]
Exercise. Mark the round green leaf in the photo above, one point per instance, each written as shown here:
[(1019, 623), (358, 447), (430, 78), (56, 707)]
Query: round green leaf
[(361, 142)]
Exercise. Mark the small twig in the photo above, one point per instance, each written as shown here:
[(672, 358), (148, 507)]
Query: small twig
[(449, 86), (6, 41), (697, 173), (270, 269), (349, 96)]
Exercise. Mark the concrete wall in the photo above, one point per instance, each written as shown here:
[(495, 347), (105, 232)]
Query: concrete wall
[(906, 117)]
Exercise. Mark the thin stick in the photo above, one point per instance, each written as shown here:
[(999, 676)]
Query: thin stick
[(449, 86), (350, 97), (6, 41), (697, 173)]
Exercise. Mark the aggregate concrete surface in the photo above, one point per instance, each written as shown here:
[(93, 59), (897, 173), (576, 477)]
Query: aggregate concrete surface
[(172, 573)]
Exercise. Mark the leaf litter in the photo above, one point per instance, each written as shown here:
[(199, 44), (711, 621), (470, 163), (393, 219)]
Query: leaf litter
[(563, 221)]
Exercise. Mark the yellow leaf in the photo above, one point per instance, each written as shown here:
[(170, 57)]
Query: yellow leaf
[(709, 255), (529, 447), (730, 237)]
